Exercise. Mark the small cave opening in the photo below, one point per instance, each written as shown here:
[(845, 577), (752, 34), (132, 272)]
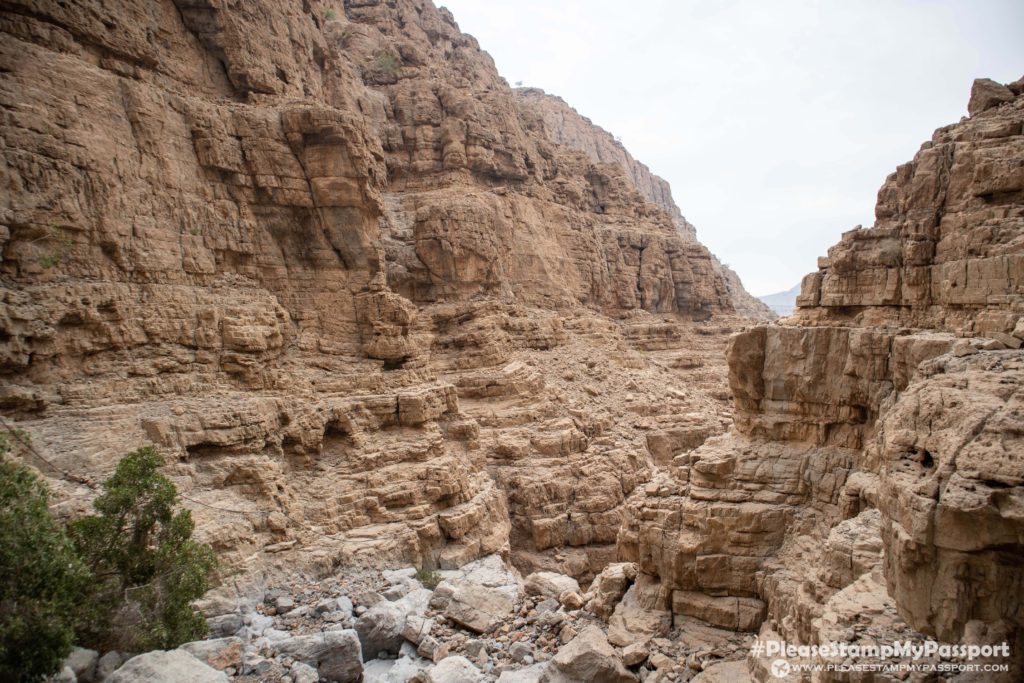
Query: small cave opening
[(337, 437), (290, 444), (334, 429), (203, 450), (920, 455), (392, 364)]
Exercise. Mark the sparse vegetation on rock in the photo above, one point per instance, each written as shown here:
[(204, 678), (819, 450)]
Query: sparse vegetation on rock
[(387, 62)]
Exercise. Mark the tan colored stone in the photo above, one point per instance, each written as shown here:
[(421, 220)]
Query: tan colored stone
[(588, 657)]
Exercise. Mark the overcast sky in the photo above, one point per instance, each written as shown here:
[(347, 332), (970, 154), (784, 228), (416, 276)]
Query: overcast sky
[(775, 122)]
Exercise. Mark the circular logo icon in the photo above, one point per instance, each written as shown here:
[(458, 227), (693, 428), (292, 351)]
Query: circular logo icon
[(780, 668)]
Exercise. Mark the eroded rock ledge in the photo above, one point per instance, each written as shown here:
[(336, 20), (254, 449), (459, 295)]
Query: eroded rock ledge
[(871, 485), (378, 309), (325, 259)]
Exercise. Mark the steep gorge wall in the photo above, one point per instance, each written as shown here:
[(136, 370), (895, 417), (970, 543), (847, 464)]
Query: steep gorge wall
[(872, 482), (552, 118), (315, 252)]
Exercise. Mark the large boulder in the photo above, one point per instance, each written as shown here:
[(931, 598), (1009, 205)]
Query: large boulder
[(479, 608), (479, 595), (609, 586), (108, 664), (588, 657), (83, 663), (161, 666), (416, 628), (985, 94), (335, 654), (415, 601), (225, 624), (454, 669), (550, 584), (380, 629)]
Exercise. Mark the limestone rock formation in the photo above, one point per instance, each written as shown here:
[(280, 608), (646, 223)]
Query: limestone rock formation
[(376, 308), (324, 258), (950, 483), (871, 485), (944, 251), (560, 123)]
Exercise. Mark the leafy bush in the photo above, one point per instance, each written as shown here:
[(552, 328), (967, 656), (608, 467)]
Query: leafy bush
[(147, 569), (42, 580), (329, 14), (122, 579)]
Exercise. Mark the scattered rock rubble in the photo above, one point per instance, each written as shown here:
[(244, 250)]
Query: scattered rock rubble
[(483, 622)]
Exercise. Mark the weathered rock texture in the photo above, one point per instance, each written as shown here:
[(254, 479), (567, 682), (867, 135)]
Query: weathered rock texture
[(376, 307), (872, 485), (560, 123), (368, 306)]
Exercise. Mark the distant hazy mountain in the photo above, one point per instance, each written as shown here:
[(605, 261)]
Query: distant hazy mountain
[(782, 303)]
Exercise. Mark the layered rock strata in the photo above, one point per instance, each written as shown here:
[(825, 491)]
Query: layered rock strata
[(320, 254), (871, 485), (554, 119)]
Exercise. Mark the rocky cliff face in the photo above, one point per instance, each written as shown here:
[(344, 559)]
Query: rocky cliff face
[(871, 485), (367, 305), (552, 118), (377, 308)]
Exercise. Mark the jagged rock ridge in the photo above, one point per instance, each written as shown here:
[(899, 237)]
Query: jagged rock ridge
[(562, 124)]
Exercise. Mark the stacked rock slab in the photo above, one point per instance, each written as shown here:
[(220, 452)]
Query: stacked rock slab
[(318, 255), (873, 475)]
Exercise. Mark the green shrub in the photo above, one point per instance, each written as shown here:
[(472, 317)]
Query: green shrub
[(329, 14), (42, 580), (387, 63), (124, 578), (147, 568), (61, 243), (428, 577)]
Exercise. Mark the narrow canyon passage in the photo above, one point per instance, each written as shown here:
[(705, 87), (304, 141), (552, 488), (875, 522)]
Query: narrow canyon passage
[(453, 390)]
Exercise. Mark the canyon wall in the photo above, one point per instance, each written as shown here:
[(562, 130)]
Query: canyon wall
[(551, 117), (871, 487), (369, 308), (376, 307)]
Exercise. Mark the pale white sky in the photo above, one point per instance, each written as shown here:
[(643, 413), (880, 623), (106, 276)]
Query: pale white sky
[(775, 122)]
